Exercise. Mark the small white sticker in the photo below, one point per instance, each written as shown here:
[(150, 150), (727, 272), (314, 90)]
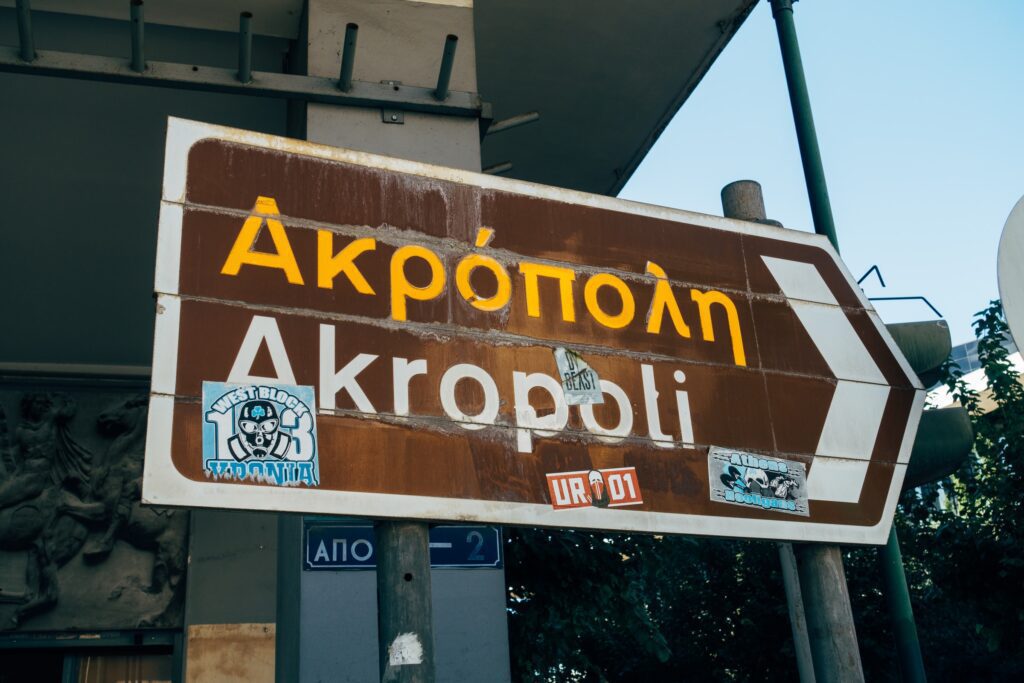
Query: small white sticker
[(580, 383)]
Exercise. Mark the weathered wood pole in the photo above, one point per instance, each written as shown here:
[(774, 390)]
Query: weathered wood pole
[(744, 200), (404, 624)]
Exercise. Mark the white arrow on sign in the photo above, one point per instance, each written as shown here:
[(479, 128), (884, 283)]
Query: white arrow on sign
[(855, 414)]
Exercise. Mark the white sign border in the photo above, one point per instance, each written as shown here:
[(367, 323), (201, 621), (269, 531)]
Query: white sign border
[(163, 484)]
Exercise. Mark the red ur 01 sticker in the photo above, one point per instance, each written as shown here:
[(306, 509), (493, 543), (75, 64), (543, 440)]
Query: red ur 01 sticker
[(594, 488)]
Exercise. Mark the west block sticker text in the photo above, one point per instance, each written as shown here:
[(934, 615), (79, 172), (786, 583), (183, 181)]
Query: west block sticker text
[(260, 433)]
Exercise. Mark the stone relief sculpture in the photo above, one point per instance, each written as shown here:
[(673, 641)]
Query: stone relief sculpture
[(64, 508)]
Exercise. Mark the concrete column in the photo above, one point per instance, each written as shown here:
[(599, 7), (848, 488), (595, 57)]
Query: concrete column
[(399, 41), (230, 605)]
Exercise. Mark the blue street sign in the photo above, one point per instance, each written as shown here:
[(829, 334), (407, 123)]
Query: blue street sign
[(332, 547)]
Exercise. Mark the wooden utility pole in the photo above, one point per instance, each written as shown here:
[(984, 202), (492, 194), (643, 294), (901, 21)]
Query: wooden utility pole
[(829, 616), (404, 624), (744, 200)]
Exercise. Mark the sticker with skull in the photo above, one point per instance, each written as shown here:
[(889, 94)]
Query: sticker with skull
[(757, 480), (259, 432)]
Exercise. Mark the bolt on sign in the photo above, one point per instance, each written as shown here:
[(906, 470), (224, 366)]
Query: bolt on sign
[(345, 333)]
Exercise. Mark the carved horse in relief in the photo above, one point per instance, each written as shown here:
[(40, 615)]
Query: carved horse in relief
[(116, 482)]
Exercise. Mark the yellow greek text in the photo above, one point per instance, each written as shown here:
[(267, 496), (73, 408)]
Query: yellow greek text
[(401, 288), (625, 316), (462, 275), (704, 302), (241, 253), (329, 264), (664, 299), (565, 277)]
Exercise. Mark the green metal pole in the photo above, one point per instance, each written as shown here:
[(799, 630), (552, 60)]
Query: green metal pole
[(905, 631), (907, 644), (810, 154)]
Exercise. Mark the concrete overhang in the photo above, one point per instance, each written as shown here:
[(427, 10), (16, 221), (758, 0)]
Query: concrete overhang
[(606, 76)]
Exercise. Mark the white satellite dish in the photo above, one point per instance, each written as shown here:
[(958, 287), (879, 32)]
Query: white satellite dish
[(1011, 271)]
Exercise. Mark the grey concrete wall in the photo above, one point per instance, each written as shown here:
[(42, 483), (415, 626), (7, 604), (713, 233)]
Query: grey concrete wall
[(398, 41), (80, 170), (232, 574), (339, 626)]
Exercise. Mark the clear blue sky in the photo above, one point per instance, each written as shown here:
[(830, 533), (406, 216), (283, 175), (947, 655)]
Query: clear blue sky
[(919, 108)]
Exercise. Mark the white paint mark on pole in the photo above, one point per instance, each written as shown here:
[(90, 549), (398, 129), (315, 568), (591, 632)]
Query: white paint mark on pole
[(405, 649)]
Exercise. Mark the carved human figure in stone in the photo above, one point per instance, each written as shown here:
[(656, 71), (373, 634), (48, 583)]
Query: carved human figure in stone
[(39, 508), (37, 441)]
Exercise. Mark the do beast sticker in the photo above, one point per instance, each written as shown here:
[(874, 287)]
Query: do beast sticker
[(260, 433), (594, 488), (756, 481)]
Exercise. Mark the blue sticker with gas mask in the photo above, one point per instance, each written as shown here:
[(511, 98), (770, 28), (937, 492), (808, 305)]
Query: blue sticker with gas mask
[(261, 433)]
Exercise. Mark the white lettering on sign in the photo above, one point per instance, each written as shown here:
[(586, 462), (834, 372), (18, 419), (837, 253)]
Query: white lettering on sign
[(529, 425)]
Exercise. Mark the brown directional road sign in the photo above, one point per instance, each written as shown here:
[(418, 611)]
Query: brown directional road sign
[(345, 333)]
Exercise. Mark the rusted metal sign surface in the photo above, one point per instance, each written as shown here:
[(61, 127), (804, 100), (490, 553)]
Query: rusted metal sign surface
[(344, 333)]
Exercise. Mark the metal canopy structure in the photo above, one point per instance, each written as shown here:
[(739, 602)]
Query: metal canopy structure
[(606, 77)]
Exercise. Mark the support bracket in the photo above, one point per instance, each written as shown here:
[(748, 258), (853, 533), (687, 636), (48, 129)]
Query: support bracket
[(401, 98)]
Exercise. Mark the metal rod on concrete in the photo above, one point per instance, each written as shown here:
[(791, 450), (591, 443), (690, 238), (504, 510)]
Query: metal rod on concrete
[(245, 47), (348, 57), (25, 39), (138, 28), (908, 647), (830, 626), (744, 200), (496, 169), (810, 154), (444, 76), (404, 620), (513, 122)]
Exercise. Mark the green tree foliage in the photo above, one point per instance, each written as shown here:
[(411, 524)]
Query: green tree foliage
[(591, 606)]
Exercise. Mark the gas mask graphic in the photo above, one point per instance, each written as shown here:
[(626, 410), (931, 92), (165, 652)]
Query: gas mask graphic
[(259, 432)]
